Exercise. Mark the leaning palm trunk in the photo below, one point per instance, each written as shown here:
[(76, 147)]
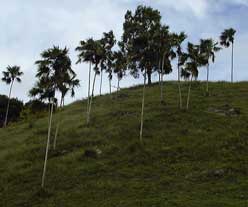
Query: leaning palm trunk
[(58, 126), (91, 99), (179, 87), (188, 99), (232, 63), (101, 84), (88, 103), (142, 110), (207, 78), (47, 146), (7, 110)]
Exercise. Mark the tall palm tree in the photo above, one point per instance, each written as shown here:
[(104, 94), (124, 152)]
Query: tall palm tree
[(86, 54), (208, 49), (163, 47), (178, 40), (108, 41), (194, 60), (91, 51), (227, 39), (9, 76), (120, 65), (53, 67)]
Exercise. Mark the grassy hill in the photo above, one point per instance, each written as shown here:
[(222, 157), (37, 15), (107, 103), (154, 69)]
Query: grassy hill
[(195, 158)]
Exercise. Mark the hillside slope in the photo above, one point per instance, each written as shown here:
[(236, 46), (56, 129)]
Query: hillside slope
[(195, 158)]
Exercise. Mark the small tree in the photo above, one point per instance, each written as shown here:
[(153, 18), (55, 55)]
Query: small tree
[(163, 46), (120, 64), (194, 60), (208, 49), (227, 39), (86, 54), (181, 58), (108, 41), (98, 53), (11, 75)]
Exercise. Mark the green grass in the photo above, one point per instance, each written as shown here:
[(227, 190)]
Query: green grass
[(194, 158)]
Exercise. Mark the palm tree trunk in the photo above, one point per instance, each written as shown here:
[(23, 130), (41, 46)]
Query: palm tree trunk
[(207, 77), (58, 125), (118, 87), (179, 87), (188, 99), (149, 75), (110, 91), (101, 84), (232, 63), (91, 99), (142, 110), (47, 146), (88, 103), (7, 110)]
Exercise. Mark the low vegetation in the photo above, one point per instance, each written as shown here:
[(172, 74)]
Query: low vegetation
[(188, 158)]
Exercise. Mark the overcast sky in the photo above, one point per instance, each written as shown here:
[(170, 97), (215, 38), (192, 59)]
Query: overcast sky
[(27, 27)]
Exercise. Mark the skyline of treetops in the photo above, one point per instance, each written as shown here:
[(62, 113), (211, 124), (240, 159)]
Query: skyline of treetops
[(224, 41)]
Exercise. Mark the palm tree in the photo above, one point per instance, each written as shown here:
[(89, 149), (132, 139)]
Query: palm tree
[(208, 49), (9, 76), (227, 39), (163, 47), (178, 40), (194, 60), (86, 54), (54, 66), (108, 41), (91, 51), (120, 65)]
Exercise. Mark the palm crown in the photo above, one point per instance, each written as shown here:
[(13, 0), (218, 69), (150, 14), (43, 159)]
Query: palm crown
[(208, 48), (227, 37), (11, 74)]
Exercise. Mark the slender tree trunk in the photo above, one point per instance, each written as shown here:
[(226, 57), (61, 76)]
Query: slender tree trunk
[(232, 63), (161, 84), (47, 146), (142, 110), (161, 93), (179, 87), (207, 77), (88, 103), (188, 99), (118, 87), (7, 110), (91, 99), (58, 125), (110, 91), (149, 75), (159, 69), (101, 84)]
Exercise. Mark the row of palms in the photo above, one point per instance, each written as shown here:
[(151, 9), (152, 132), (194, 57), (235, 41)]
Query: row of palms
[(146, 47)]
